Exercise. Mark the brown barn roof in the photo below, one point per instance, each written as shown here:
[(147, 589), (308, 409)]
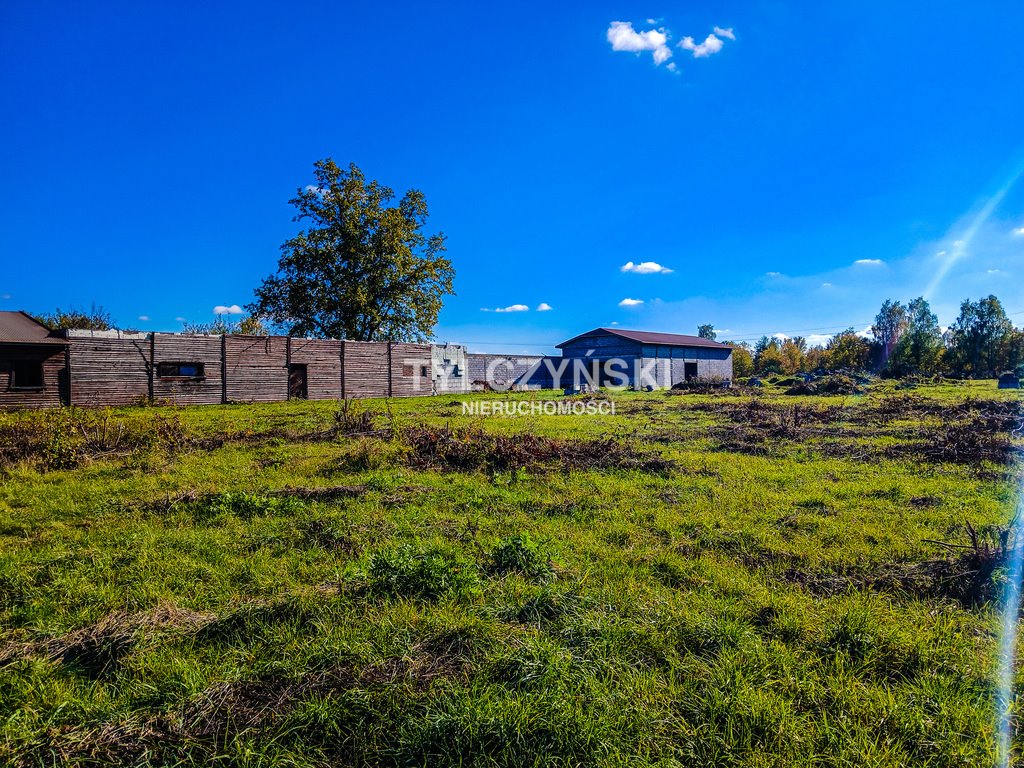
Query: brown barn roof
[(649, 337), (20, 328)]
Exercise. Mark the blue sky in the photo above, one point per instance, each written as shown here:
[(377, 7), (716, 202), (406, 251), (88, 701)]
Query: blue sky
[(792, 173)]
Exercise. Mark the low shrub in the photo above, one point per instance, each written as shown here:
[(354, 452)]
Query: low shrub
[(520, 554)]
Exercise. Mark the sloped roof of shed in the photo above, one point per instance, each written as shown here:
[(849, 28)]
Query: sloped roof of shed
[(20, 328), (650, 337)]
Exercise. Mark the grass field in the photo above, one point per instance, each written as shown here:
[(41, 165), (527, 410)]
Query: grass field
[(696, 580)]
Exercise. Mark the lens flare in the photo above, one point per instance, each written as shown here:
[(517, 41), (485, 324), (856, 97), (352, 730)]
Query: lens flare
[(1008, 641), (960, 247)]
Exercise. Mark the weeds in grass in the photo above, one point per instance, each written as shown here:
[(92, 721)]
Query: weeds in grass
[(96, 650), (239, 504), (424, 574), (520, 554), (64, 438), (469, 449), (784, 610)]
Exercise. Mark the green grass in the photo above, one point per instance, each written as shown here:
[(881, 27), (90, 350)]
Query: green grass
[(764, 601)]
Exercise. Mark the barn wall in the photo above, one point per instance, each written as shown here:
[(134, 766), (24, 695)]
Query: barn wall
[(366, 369), (109, 370), (322, 358), (256, 368), (173, 348), (54, 392), (601, 347), (715, 364)]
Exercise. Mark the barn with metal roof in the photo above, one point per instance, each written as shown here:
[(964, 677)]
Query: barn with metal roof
[(650, 358)]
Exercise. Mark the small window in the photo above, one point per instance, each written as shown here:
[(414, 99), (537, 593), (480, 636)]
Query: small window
[(179, 370), (425, 371), (26, 374)]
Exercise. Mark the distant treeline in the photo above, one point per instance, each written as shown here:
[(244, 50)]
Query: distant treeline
[(905, 340)]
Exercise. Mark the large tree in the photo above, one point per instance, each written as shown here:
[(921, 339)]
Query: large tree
[(847, 350), (978, 338), (889, 326), (96, 318), (363, 270), (919, 349)]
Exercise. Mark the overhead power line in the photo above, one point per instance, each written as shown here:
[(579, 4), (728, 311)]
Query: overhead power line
[(754, 337)]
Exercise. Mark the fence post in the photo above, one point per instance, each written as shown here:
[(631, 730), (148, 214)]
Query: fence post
[(390, 388), (152, 365), (224, 369)]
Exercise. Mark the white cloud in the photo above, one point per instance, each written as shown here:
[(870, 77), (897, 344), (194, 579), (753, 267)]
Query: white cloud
[(180, 319), (780, 336), (725, 32), (234, 309), (1019, 232), (711, 45), (994, 272), (544, 307), (5, 296), (869, 262), (645, 268), (671, 66), (631, 302), (773, 274), (826, 285), (623, 37), (510, 308), (817, 339), (144, 318)]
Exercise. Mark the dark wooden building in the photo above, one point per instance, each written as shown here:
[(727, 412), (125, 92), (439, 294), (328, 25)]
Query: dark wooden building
[(33, 363)]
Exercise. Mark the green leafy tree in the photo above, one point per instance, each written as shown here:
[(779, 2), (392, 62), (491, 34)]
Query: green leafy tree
[(889, 326), (979, 337), (363, 269), (814, 358), (96, 318), (1013, 352), (792, 351), (247, 326), (768, 356), (742, 360), (707, 332), (919, 349), (847, 350)]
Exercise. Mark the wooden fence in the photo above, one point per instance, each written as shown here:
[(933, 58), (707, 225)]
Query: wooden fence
[(113, 368)]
